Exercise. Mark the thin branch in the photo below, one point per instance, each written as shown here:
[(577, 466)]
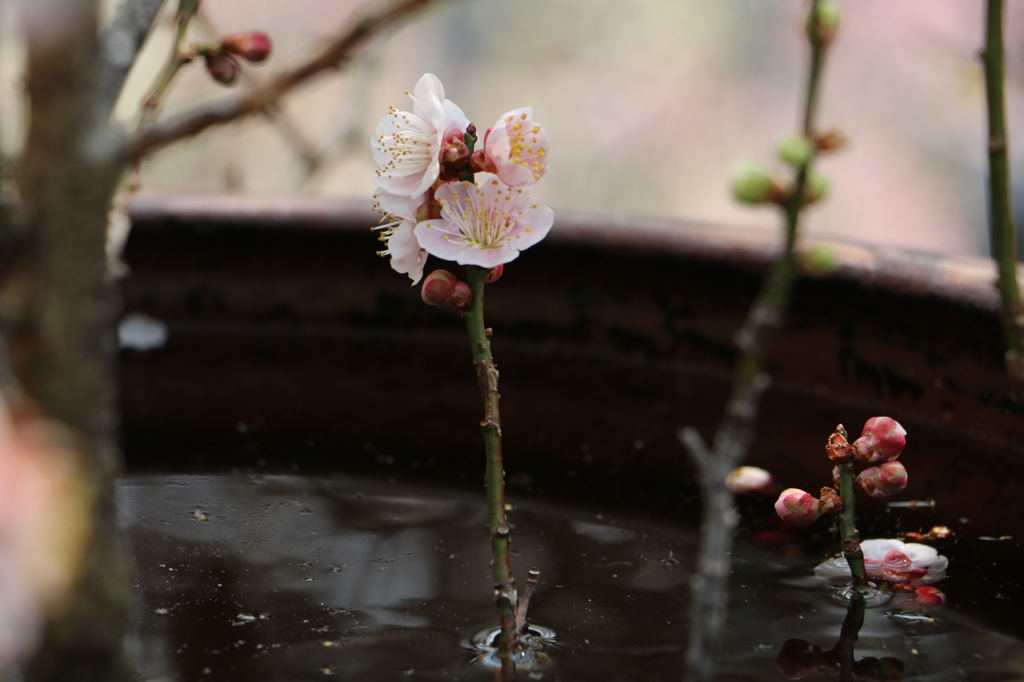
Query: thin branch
[(709, 584), (497, 522), (120, 43), (349, 42), (1000, 214)]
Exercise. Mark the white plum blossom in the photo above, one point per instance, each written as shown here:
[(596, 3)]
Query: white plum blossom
[(518, 148), (891, 561), (407, 146), (398, 233), (485, 226)]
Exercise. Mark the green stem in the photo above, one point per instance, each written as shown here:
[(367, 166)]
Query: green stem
[(487, 379), (848, 528), (1004, 248), (175, 62)]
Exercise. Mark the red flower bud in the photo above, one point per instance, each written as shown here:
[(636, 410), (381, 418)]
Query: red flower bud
[(254, 46), (797, 507), (438, 287), (224, 68), (443, 288), (494, 274), (882, 480), (462, 296), (882, 440)]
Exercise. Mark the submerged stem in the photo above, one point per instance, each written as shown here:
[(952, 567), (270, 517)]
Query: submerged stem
[(1004, 248), (487, 379)]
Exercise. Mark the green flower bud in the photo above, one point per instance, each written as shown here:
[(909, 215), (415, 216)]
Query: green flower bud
[(823, 22), (817, 186), (796, 150), (820, 259), (751, 183)]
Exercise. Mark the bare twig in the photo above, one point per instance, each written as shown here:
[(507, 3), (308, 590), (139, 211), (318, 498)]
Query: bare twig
[(709, 584), (290, 132), (120, 43), (178, 58), (335, 55)]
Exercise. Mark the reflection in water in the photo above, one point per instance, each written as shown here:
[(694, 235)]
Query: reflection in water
[(799, 659), (246, 579)]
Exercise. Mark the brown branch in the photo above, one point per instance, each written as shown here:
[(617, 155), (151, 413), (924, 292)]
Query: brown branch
[(120, 43), (335, 55)]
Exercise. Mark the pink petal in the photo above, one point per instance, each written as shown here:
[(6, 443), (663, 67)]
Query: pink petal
[(489, 257), (441, 238)]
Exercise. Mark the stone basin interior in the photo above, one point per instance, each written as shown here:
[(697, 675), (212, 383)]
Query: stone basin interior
[(286, 374)]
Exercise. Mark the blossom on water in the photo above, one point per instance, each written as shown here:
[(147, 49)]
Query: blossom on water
[(408, 146), (882, 440), (516, 148), (748, 480), (891, 561), (485, 226), (798, 507), (397, 231)]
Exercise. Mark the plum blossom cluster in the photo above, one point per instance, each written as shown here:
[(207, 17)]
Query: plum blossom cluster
[(908, 569), (881, 442), (427, 161)]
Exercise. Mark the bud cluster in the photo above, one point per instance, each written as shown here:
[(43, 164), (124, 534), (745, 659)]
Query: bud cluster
[(753, 183), (222, 59), (882, 440)]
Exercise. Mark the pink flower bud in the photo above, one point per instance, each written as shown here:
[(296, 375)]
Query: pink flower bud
[(254, 46), (494, 274), (797, 507), (882, 440), (748, 481), (438, 287), (882, 480), (224, 68), (462, 296)]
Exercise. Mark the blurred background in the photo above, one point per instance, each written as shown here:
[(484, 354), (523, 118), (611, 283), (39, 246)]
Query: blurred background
[(648, 103)]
